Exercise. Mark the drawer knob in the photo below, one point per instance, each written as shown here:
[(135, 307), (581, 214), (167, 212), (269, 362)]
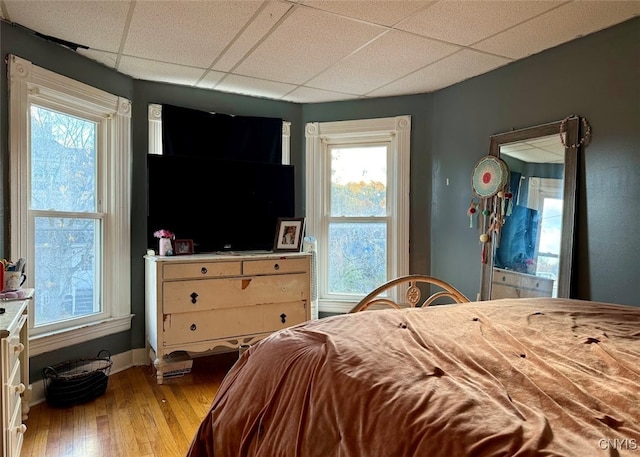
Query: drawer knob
[(283, 318), (18, 347), (20, 388), (194, 297), (276, 267), (204, 270), (21, 428), (193, 327)]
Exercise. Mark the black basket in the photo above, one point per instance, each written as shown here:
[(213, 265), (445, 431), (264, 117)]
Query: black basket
[(76, 381)]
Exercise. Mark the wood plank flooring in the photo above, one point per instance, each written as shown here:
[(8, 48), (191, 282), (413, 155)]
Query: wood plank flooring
[(135, 417)]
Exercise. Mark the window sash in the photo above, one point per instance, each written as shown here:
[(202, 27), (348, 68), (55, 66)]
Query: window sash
[(320, 137), (30, 84)]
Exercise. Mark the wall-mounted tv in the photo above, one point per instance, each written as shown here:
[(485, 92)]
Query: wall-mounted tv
[(221, 205)]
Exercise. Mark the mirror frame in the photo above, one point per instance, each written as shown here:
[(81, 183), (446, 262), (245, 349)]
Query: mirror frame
[(565, 268)]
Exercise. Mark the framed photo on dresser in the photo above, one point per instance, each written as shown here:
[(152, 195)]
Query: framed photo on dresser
[(183, 247), (289, 232)]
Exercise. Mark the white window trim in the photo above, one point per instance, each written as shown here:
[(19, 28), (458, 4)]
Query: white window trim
[(29, 82), (397, 130), (541, 188), (155, 133)]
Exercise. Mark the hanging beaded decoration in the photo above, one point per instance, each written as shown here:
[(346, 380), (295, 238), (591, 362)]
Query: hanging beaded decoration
[(489, 176), (489, 181), (472, 211), (586, 133)]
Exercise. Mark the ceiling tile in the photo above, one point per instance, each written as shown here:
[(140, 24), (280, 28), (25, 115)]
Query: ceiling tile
[(253, 86), (560, 25), (548, 149), (159, 71), (309, 95), (186, 32), (256, 30), (304, 44), (381, 12), (98, 25), (386, 59), (466, 22), (210, 79), (446, 72)]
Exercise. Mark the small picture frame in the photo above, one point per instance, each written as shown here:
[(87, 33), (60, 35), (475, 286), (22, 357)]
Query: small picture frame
[(183, 247), (289, 232)]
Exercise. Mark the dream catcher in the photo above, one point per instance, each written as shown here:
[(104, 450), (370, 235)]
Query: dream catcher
[(489, 182)]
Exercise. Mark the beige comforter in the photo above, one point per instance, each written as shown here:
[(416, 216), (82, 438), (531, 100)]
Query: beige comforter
[(552, 377)]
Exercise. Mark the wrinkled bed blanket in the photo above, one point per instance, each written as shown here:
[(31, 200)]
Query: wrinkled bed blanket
[(525, 377)]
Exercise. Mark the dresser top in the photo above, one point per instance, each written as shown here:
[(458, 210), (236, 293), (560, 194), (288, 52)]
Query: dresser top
[(231, 255), (13, 309)]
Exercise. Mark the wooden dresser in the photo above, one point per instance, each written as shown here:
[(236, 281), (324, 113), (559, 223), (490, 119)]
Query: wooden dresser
[(14, 359), (511, 284), (197, 303)]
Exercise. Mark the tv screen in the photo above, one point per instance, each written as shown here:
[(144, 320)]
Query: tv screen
[(221, 205)]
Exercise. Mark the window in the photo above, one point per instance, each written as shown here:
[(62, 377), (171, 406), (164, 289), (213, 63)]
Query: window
[(357, 205), (70, 203), (155, 133), (545, 195)]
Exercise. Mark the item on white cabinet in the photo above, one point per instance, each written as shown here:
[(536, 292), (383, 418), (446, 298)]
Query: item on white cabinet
[(289, 232), (13, 280), (165, 247), (183, 247), (8, 295)]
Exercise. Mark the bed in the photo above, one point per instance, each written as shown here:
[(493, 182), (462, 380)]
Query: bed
[(508, 377)]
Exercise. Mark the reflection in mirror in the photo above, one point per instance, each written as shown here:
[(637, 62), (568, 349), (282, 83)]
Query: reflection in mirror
[(532, 254), (526, 259)]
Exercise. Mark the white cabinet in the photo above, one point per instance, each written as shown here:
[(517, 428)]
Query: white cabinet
[(14, 362), (197, 303)]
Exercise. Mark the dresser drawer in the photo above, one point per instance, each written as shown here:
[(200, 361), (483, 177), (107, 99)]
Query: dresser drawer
[(201, 270), (274, 266), (511, 284), (202, 295), (201, 326), (14, 346), (15, 433), (526, 281), (14, 389)]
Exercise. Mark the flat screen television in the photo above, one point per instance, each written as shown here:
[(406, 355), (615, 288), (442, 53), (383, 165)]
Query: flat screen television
[(221, 205)]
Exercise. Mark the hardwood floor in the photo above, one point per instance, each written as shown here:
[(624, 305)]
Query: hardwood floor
[(135, 417)]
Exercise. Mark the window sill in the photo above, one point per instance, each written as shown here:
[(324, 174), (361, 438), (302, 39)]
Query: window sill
[(334, 306), (77, 335)]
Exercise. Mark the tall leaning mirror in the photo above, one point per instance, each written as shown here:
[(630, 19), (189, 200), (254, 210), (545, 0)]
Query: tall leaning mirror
[(532, 255)]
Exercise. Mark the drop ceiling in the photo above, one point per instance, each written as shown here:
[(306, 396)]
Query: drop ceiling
[(311, 51)]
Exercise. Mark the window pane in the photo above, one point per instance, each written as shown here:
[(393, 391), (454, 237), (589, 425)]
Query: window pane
[(359, 181), (66, 253), (548, 261), (63, 162), (551, 226), (358, 257)]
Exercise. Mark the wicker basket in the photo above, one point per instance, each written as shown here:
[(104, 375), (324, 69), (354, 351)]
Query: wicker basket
[(76, 381)]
